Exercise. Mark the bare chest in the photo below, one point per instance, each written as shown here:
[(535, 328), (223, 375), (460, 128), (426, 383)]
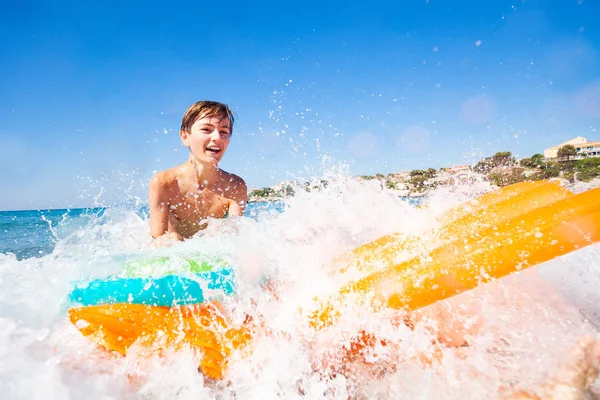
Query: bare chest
[(189, 211)]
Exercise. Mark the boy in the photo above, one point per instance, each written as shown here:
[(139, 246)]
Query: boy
[(181, 198)]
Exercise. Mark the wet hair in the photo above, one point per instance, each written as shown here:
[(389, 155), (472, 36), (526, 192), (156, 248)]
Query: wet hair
[(202, 109)]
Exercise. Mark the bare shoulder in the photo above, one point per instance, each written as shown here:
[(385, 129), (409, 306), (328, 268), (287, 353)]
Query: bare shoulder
[(233, 186), (163, 182)]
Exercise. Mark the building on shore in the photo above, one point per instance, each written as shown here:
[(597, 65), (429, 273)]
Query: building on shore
[(582, 146)]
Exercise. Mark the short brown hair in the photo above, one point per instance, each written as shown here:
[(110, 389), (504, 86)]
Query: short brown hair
[(201, 109)]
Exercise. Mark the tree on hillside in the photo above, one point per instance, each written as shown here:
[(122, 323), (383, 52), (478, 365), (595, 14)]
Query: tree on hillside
[(264, 192), (566, 152), (526, 162), (507, 177), (535, 161), (503, 158), (426, 174), (391, 185), (500, 159), (418, 178)]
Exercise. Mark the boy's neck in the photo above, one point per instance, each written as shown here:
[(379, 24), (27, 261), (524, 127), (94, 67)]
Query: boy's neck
[(204, 174)]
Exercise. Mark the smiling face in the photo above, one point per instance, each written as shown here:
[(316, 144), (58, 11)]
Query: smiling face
[(208, 138)]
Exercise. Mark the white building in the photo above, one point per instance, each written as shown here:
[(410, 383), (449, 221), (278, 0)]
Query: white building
[(583, 147)]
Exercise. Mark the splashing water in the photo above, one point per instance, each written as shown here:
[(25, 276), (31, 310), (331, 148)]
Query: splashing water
[(528, 321)]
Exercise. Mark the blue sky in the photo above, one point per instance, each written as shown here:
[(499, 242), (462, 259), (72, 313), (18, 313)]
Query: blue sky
[(93, 92)]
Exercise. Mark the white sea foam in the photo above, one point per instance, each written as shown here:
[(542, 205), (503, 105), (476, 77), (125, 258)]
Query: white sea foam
[(527, 326)]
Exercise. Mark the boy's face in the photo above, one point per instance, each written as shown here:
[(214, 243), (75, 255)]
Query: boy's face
[(208, 138)]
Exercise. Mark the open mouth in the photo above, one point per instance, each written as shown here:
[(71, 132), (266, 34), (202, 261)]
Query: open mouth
[(213, 149)]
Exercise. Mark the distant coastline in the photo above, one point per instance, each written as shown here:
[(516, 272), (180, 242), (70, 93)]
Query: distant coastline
[(501, 169), (579, 173)]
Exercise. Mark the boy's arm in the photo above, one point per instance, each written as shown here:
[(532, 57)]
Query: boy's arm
[(240, 197), (159, 207)]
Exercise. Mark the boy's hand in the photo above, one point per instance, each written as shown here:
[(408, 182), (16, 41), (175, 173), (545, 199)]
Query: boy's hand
[(167, 239)]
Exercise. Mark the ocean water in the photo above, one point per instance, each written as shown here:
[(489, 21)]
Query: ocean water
[(527, 324), (34, 233)]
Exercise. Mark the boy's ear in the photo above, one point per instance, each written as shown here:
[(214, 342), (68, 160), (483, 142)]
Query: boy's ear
[(184, 135)]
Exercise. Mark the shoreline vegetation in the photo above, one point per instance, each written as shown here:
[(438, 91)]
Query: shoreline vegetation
[(499, 170)]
